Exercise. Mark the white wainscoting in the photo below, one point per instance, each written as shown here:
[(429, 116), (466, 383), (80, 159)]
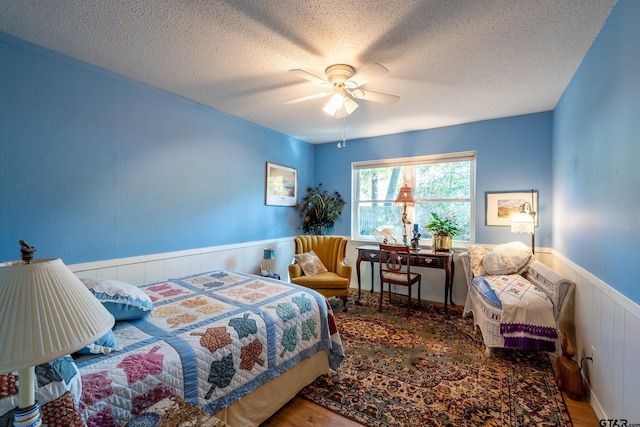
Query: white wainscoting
[(241, 257), (610, 322)]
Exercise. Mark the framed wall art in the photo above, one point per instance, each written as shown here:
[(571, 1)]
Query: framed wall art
[(502, 206), (281, 185)]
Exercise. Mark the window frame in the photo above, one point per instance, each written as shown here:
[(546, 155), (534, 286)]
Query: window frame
[(409, 178)]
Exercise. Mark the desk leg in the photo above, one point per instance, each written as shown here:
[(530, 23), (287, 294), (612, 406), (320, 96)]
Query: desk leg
[(358, 273), (371, 262), (453, 270), (448, 285)]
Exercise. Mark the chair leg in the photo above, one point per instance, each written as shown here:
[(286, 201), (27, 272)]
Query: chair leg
[(419, 291), (409, 300), (381, 296), (344, 302)]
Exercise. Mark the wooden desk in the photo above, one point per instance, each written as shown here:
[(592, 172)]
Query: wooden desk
[(423, 258)]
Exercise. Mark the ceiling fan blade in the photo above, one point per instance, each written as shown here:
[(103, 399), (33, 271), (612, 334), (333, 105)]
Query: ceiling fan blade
[(371, 72), (311, 77), (368, 95), (307, 98)]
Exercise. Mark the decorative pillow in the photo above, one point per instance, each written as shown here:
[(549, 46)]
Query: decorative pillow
[(477, 254), (105, 345), (310, 263), (508, 258), (124, 301), (61, 412), (57, 378)]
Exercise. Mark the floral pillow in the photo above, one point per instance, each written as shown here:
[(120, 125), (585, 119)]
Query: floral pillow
[(310, 263)]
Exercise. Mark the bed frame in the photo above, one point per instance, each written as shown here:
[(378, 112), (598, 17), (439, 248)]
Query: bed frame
[(487, 317)]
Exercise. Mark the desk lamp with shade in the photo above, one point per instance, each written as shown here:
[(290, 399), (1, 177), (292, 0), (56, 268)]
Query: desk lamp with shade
[(46, 312), (524, 222), (405, 197)]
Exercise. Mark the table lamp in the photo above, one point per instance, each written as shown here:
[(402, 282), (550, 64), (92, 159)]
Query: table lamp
[(45, 313), (405, 197), (524, 222), (269, 254)]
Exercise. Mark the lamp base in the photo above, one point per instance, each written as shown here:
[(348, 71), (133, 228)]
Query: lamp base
[(27, 417)]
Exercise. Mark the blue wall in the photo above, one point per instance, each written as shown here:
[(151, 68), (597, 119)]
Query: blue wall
[(596, 151), (513, 154), (95, 166)]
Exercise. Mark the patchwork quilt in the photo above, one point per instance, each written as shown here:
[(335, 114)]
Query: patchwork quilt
[(526, 321), (211, 339)]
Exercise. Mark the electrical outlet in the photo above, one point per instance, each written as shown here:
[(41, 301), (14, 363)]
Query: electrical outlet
[(593, 356)]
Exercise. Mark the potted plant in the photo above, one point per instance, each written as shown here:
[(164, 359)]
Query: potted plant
[(443, 229), (319, 210)]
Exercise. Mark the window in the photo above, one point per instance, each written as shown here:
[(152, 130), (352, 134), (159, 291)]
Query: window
[(443, 184)]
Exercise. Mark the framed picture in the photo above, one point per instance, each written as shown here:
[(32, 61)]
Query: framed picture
[(502, 206), (281, 185)]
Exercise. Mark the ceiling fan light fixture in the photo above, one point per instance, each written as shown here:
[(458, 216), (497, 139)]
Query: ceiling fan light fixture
[(335, 103), (350, 105)]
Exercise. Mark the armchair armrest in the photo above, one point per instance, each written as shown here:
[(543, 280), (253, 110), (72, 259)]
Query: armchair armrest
[(344, 270), (294, 271)]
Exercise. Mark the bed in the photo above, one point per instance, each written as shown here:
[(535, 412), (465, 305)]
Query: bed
[(237, 345)]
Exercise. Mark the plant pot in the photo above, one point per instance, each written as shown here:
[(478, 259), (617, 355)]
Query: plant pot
[(441, 242)]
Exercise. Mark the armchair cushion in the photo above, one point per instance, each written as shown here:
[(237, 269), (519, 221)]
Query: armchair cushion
[(325, 280), (310, 263)]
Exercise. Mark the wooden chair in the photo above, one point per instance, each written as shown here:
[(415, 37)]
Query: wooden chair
[(395, 269)]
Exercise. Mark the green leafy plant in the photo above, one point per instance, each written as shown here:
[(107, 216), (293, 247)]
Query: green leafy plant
[(320, 209), (446, 225)]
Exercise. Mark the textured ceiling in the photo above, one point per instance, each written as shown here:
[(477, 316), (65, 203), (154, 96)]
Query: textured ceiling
[(450, 61)]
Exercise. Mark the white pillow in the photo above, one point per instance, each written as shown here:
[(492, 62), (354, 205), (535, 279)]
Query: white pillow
[(508, 258), (477, 254), (310, 263)]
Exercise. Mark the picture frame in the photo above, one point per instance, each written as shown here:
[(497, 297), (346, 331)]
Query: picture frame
[(501, 206), (281, 185)]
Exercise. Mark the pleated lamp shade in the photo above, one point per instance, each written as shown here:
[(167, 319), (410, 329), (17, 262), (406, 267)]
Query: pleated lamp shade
[(46, 312)]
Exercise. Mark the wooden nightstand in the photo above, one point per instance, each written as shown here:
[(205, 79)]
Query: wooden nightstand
[(174, 411)]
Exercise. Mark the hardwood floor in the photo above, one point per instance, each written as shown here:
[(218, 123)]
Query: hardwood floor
[(300, 412)]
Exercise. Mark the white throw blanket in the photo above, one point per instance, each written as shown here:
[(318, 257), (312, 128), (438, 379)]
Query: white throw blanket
[(526, 321)]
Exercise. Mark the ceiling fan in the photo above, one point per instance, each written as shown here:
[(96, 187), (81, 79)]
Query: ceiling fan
[(344, 84)]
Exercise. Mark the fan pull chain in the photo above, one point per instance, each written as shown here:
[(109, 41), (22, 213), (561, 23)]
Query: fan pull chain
[(342, 141)]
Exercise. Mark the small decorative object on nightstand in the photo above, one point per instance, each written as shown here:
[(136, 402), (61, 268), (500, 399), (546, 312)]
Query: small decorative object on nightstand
[(269, 254)]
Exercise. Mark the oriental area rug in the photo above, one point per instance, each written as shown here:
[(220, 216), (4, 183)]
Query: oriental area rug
[(427, 369)]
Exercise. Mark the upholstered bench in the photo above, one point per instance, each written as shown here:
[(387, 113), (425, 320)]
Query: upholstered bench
[(173, 411)]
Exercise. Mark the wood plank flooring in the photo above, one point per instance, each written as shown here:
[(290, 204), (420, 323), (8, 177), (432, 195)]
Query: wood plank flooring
[(301, 412)]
